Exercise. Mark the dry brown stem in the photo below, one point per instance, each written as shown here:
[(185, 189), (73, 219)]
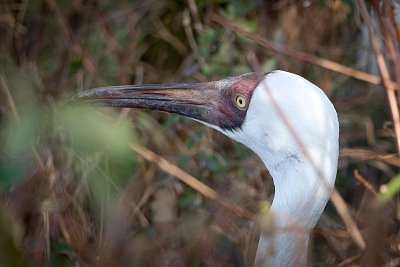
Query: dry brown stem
[(336, 198), (188, 179), (365, 183), (390, 87), (10, 99), (344, 212), (322, 62), (365, 154)]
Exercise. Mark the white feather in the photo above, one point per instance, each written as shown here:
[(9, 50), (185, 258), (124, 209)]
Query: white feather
[(300, 150)]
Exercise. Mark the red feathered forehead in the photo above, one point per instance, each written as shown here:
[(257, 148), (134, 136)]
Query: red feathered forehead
[(246, 83), (230, 117)]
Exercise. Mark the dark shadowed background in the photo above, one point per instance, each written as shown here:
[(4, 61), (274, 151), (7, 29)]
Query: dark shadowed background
[(82, 186)]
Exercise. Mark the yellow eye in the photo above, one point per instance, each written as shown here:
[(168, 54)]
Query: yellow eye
[(241, 102)]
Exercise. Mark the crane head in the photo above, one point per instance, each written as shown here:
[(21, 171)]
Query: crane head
[(220, 104), (263, 112), (285, 119)]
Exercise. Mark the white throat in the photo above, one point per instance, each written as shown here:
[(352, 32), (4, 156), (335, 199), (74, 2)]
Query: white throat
[(300, 197), (303, 173)]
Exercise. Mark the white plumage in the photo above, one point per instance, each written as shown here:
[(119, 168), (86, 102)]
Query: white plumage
[(302, 188), (286, 120)]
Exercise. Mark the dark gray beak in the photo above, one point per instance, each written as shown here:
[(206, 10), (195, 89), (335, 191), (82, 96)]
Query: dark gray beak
[(212, 103), (194, 100)]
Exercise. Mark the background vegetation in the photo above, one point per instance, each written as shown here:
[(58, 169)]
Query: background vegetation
[(82, 187)]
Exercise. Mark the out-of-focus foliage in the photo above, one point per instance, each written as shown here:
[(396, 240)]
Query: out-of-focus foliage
[(75, 194), (390, 190)]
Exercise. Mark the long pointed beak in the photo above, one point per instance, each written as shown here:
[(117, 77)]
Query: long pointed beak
[(194, 100)]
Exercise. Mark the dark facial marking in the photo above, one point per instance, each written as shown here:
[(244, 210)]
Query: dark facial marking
[(213, 102), (232, 117)]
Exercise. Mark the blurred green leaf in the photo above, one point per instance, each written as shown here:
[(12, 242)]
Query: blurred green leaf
[(214, 161), (238, 8), (194, 138), (76, 63), (187, 199), (59, 47), (60, 258), (11, 253), (183, 160), (269, 65), (171, 120), (215, 69), (247, 25), (389, 191), (241, 151), (89, 131), (60, 261), (196, 261), (12, 172), (19, 136), (22, 134)]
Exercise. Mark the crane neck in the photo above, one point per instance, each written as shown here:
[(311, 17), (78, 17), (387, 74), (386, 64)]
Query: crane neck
[(301, 193)]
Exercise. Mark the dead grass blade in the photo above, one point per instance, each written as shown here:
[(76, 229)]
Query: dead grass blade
[(349, 261), (365, 183), (336, 198), (188, 179), (322, 62), (332, 233), (383, 69), (345, 214), (10, 99), (88, 63), (364, 154)]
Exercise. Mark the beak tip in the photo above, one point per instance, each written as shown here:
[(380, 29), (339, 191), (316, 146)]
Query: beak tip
[(82, 97), (77, 98), (87, 94), (97, 97)]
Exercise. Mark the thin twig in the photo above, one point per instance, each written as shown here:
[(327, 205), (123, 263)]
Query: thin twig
[(39, 161), (322, 62), (336, 198), (349, 261), (10, 99), (380, 60), (190, 37), (195, 13), (76, 46), (387, 21), (365, 183), (170, 38), (393, 263), (188, 179), (365, 154), (332, 233), (345, 214)]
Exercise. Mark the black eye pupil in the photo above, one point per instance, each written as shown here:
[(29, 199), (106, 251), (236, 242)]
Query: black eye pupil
[(240, 101)]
